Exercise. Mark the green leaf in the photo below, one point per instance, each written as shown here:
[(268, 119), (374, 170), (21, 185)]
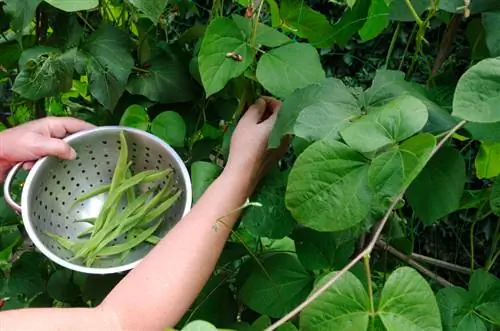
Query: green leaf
[(401, 12), (49, 74), (330, 101), (343, 306), (477, 6), (321, 250), (388, 124), (390, 83), (476, 96), (166, 81), (202, 175), (283, 70), (199, 326), (35, 54), (487, 160), (491, 27), (328, 187), (135, 116), (151, 8), (408, 303), (486, 132), (216, 68), (485, 292), (438, 189), (350, 23), (378, 20), (452, 301), (8, 242), (22, 13), (272, 220), (73, 5), (61, 287), (284, 285), (170, 127), (394, 170), (107, 76), (298, 18), (265, 36)]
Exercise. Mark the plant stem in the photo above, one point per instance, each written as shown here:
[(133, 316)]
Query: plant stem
[(85, 21), (410, 40), (378, 231), (471, 240), (256, 24), (493, 260), (141, 70), (440, 263), (494, 245), (414, 13), (413, 263), (366, 262), (391, 46)]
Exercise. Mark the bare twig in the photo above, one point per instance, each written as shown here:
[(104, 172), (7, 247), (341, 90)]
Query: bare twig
[(440, 263), (378, 230), (413, 263)]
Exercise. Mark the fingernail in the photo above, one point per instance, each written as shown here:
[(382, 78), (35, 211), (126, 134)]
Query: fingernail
[(72, 154)]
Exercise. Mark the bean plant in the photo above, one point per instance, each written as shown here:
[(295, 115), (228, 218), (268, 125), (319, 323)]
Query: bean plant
[(383, 214)]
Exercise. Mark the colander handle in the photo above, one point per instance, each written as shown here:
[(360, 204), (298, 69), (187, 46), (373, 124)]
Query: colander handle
[(6, 188)]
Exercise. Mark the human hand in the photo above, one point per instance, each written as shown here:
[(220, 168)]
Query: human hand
[(30, 141), (249, 157)]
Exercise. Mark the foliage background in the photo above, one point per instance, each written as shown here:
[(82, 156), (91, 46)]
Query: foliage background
[(165, 67)]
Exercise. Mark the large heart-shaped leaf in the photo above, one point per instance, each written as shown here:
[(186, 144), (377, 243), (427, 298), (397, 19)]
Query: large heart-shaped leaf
[(277, 290), (394, 170), (265, 35), (395, 121), (476, 97), (22, 12), (328, 107), (344, 306), (135, 116), (438, 189), (202, 175), (166, 81), (290, 67), (222, 37), (351, 22), (169, 126), (328, 187), (390, 83), (46, 75), (107, 76), (400, 11), (408, 303)]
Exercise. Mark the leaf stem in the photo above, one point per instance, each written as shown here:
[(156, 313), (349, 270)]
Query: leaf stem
[(140, 70), (85, 21), (440, 263), (371, 245), (414, 13), (471, 240), (256, 24), (391, 46), (366, 262)]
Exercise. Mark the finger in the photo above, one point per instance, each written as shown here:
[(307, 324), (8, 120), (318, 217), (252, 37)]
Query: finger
[(28, 165), (273, 104), (255, 111), (57, 147), (60, 127)]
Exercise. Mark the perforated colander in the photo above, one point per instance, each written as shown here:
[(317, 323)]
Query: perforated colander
[(53, 185)]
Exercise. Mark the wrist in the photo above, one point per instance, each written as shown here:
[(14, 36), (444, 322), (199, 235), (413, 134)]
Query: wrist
[(238, 179)]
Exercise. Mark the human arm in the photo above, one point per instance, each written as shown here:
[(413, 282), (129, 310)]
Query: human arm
[(158, 292)]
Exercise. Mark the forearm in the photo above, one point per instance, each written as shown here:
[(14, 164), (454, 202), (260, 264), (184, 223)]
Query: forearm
[(168, 280)]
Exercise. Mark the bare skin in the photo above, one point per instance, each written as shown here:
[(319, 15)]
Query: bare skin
[(159, 291)]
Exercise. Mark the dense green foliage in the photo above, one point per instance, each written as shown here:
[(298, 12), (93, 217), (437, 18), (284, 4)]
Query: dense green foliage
[(393, 110)]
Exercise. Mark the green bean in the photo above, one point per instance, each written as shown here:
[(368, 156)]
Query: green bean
[(131, 196), (119, 248), (139, 218), (63, 242), (116, 180), (85, 232), (90, 220), (153, 240), (98, 190)]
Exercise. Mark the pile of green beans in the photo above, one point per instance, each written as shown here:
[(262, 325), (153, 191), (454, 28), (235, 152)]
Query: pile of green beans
[(137, 222)]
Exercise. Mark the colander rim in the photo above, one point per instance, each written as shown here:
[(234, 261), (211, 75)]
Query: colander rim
[(28, 225)]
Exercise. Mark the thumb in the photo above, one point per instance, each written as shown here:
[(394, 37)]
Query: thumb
[(57, 147)]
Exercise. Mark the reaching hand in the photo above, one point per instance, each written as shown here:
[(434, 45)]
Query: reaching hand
[(249, 156), (30, 141)]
